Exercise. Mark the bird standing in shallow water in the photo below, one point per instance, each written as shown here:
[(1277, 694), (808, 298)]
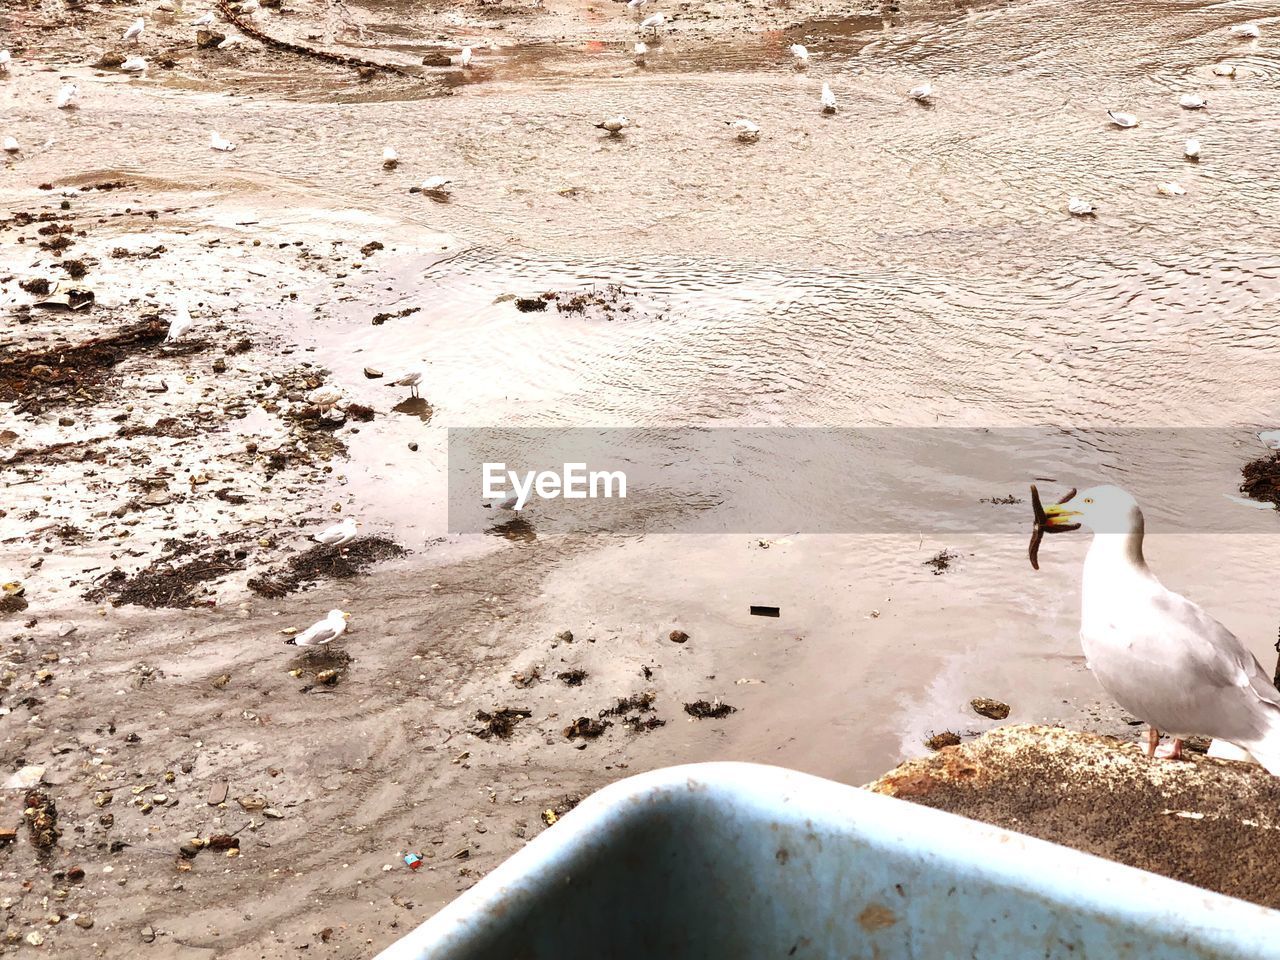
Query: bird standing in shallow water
[(410, 380), (134, 65), (745, 130), (1160, 656), (614, 125), (641, 52), (922, 93), (1191, 149), (67, 96), (181, 322), (135, 30), (1122, 120), (323, 631), (390, 159), (5, 59), (828, 99)]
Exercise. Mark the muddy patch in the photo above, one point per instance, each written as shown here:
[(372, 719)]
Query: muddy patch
[(60, 374), (169, 581), (1262, 479), (500, 723), (325, 562)]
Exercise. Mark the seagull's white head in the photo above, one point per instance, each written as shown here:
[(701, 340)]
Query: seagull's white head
[(336, 614), (1104, 509)]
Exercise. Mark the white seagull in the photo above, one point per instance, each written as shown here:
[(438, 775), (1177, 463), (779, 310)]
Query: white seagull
[(654, 23), (641, 51), (11, 145), (410, 380), (1123, 120), (636, 4), (1171, 189), (390, 159), (337, 534), (1159, 655), (614, 125), (218, 142), (323, 631), (1224, 70), (436, 186), (4, 62), (1080, 208), (181, 322), (464, 58), (922, 92), (745, 130), (134, 65), (1191, 149), (800, 53), (135, 30), (204, 20), (1192, 101), (1249, 30), (249, 6), (828, 99), (67, 96)]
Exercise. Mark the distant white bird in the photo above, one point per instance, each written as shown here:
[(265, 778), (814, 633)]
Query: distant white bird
[(134, 65), (922, 92), (410, 380), (828, 99), (1247, 30), (745, 130), (1224, 70), (1171, 189), (181, 322), (1125, 120), (204, 20), (67, 96), (218, 142), (390, 159), (800, 54), (641, 51), (464, 58), (249, 6), (614, 125), (135, 30), (1191, 149), (654, 23), (322, 632), (636, 4), (1080, 208), (1192, 101), (436, 186), (11, 145), (4, 61), (337, 534)]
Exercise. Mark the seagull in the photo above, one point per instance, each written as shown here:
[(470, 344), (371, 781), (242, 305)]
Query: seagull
[(1123, 120), (1192, 101), (135, 30), (203, 21), (1171, 189), (1224, 70), (641, 50), (654, 23), (1191, 149), (636, 4), (11, 145), (614, 125), (323, 631), (1160, 656), (249, 6), (464, 58), (922, 92), (4, 62), (1080, 208), (410, 380), (337, 534), (801, 55), (1247, 30), (745, 130), (134, 65), (218, 142), (436, 186), (828, 99), (67, 96), (228, 43), (390, 159), (181, 322)]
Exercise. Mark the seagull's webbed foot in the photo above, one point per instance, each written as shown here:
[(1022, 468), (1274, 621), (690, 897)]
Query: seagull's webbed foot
[(1171, 751)]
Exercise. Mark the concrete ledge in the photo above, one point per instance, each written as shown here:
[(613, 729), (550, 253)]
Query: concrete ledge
[(1212, 823)]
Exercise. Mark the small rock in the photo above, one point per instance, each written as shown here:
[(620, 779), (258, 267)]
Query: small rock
[(413, 445), (222, 680), (944, 739), (148, 934), (84, 921), (565, 636), (207, 39), (273, 813), (110, 60), (372, 373), (991, 709), (25, 779), (220, 365), (35, 938), (678, 636), (437, 60)]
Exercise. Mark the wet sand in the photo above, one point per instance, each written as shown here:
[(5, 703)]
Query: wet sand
[(891, 265)]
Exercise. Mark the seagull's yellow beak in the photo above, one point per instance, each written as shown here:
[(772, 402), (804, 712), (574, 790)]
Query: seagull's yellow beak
[(345, 615), (1057, 516)]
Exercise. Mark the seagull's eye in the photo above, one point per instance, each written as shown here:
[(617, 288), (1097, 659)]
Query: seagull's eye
[(1088, 499)]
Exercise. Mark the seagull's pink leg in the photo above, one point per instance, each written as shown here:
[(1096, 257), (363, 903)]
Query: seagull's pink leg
[(1172, 752), (1153, 740)]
